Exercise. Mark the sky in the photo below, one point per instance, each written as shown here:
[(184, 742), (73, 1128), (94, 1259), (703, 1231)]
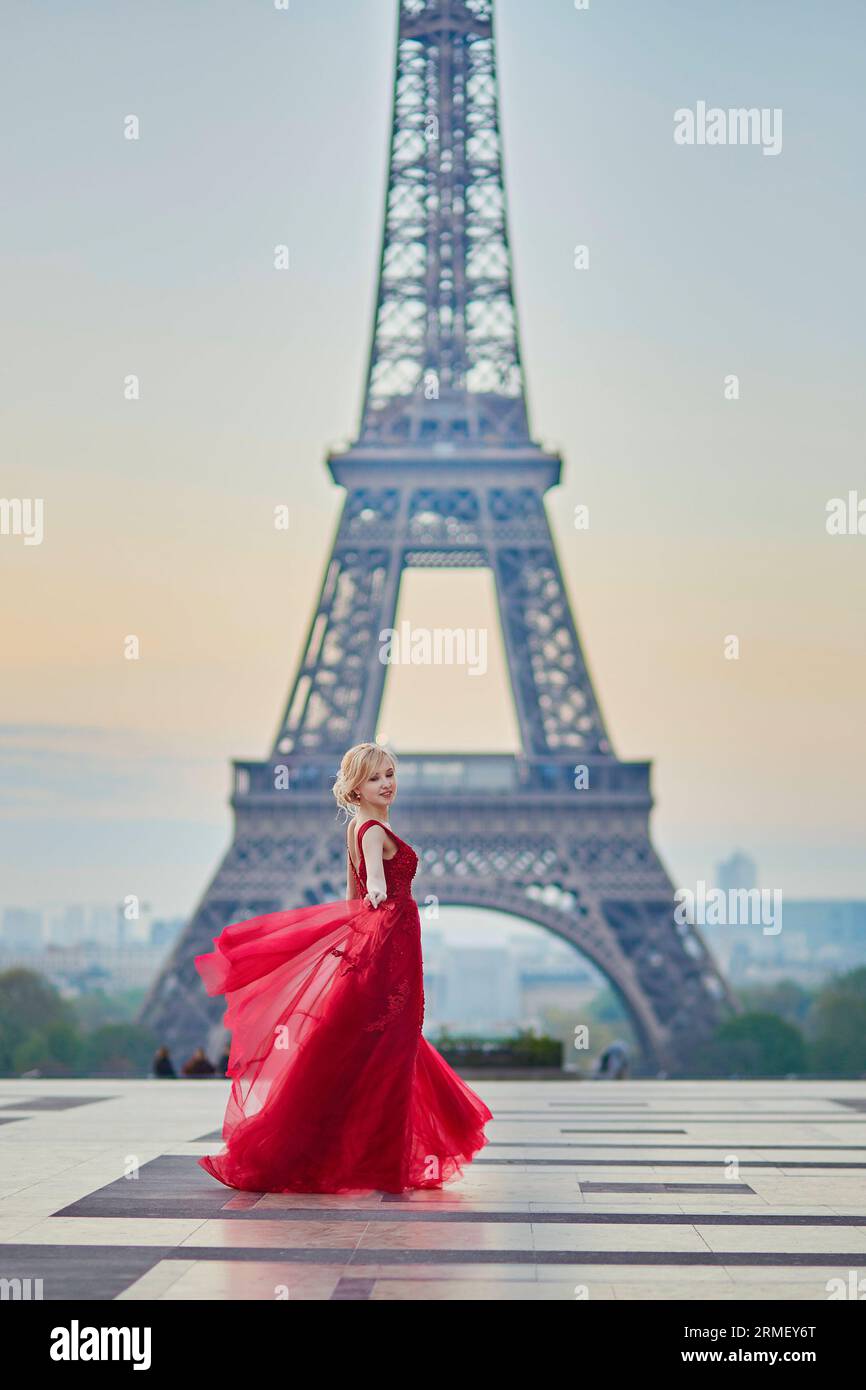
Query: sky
[(261, 127)]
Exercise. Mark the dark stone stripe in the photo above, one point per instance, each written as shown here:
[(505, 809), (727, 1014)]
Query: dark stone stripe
[(623, 1131), (662, 1162), (688, 1120), (606, 1257), (685, 1115), (102, 1272), (570, 1144), (666, 1187), (591, 1110), (152, 1208), (413, 1212), (76, 1272), (257, 1254), (667, 1099), (356, 1289), (528, 1257), (53, 1102)]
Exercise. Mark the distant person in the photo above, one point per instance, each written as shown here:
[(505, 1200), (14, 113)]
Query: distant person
[(198, 1065), (613, 1062), (223, 1066), (162, 1063)]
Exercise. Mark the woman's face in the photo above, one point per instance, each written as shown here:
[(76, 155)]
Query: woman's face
[(380, 787)]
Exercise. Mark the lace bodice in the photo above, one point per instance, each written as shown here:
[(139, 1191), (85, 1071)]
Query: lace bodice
[(399, 870)]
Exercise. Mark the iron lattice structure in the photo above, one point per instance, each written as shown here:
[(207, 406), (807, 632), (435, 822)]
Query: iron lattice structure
[(444, 473), (445, 327)]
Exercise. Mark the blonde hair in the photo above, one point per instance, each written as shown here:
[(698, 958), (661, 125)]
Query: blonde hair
[(356, 766)]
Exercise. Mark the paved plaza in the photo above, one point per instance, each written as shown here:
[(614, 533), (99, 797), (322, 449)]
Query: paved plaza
[(600, 1190)]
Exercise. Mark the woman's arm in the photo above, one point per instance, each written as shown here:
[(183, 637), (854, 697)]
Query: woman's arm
[(377, 889)]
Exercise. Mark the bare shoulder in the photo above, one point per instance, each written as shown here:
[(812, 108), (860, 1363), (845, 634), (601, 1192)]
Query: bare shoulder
[(374, 834), (378, 840)]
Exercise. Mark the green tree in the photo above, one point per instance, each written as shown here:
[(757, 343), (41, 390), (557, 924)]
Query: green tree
[(837, 1026), (752, 1044), (785, 998), (118, 1049), (29, 1005), (52, 1051), (98, 1008)]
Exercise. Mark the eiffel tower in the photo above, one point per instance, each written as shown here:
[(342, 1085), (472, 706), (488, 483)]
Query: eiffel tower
[(444, 473)]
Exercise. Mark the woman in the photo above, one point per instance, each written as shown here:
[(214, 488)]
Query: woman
[(334, 1089)]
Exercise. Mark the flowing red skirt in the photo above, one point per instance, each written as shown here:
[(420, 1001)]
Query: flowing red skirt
[(334, 1088)]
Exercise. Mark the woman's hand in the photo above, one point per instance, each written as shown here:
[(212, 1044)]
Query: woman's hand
[(376, 893)]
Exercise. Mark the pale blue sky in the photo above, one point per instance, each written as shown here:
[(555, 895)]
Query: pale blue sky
[(707, 517)]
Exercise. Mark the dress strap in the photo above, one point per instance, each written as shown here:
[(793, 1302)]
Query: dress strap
[(366, 826)]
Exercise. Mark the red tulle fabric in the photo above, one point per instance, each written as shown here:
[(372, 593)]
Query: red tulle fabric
[(334, 1088)]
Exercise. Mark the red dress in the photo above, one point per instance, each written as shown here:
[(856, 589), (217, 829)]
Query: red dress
[(334, 1088)]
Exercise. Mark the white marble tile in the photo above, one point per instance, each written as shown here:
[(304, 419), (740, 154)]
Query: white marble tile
[(654, 1274), (270, 1235), (12, 1227), (157, 1281), (446, 1235), (616, 1236), (469, 1290), (108, 1230), (691, 1291), (815, 1276), (440, 1272), (794, 1240), (239, 1281)]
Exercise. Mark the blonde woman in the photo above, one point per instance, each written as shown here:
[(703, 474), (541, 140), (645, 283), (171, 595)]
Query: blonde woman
[(334, 1088)]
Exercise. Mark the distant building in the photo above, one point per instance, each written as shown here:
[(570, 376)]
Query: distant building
[(740, 871), (101, 925), (543, 990), (133, 922), (76, 922), (165, 931), (480, 990), (819, 938), (87, 966), (497, 990), (72, 926), (22, 929), (76, 946)]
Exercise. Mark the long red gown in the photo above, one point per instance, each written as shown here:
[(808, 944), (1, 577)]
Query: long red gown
[(334, 1088)]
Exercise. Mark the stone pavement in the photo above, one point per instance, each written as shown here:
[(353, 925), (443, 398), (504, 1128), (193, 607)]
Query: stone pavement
[(599, 1190)]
